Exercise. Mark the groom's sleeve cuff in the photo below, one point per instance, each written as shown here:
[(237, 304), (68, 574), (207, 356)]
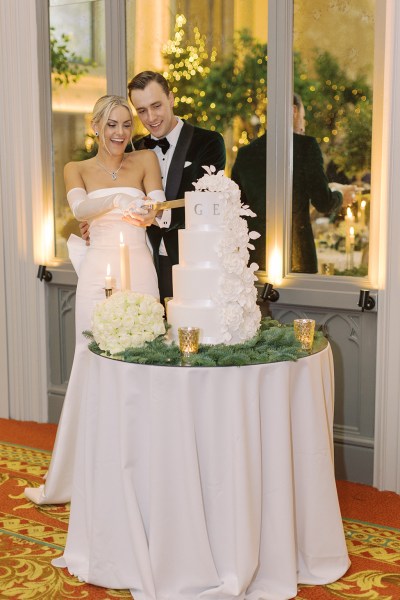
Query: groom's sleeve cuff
[(164, 220)]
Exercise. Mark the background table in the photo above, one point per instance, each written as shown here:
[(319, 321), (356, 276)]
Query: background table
[(206, 482)]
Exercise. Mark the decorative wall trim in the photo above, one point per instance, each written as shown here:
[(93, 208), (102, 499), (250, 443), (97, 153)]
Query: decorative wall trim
[(66, 301), (21, 207), (387, 417), (352, 336), (66, 305), (344, 436)]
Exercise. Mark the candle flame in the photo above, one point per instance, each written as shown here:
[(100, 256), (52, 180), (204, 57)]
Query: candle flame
[(108, 270), (121, 237), (363, 203), (349, 213)]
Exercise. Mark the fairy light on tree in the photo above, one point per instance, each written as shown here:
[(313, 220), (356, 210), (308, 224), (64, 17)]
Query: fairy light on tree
[(189, 64), (214, 90), (229, 92)]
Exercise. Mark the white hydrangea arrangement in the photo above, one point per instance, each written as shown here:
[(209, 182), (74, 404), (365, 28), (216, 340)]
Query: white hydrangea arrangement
[(237, 294), (127, 320)]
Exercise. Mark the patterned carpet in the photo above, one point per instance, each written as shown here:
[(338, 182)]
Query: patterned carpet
[(30, 537)]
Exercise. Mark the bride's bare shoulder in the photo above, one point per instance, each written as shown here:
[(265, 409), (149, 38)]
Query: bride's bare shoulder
[(76, 172), (140, 156), (79, 166)]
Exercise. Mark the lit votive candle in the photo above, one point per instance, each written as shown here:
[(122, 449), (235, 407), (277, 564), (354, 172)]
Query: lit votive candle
[(124, 264), (304, 332), (188, 340)]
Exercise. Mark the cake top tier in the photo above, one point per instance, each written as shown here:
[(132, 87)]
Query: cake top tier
[(206, 208)]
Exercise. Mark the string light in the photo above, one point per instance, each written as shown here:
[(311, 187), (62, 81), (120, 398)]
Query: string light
[(191, 68)]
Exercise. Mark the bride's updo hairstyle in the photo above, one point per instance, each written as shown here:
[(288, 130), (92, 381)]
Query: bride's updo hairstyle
[(102, 110)]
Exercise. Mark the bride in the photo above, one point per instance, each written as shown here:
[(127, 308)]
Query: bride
[(102, 190)]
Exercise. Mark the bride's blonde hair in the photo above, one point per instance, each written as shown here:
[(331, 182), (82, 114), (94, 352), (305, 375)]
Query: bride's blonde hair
[(101, 113)]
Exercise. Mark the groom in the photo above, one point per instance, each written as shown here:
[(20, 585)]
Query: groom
[(182, 150)]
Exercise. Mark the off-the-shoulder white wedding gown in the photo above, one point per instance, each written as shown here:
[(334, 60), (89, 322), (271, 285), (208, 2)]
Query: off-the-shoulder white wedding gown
[(103, 250)]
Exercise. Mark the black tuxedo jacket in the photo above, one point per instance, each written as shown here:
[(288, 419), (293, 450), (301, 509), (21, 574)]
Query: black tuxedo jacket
[(249, 172), (196, 146), (310, 185)]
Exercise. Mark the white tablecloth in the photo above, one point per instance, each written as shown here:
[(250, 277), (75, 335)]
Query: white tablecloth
[(212, 483)]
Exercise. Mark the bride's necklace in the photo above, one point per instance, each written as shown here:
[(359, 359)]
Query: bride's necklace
[(112, 173)]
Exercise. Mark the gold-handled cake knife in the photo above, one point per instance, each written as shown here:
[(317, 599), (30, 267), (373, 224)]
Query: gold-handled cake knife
[(180, 203)]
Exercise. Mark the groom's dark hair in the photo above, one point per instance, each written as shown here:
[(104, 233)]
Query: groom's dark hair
[(142, 80), (297, 101)]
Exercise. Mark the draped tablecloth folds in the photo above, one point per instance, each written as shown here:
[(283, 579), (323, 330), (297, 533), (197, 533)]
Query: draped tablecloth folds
[(206, 483)]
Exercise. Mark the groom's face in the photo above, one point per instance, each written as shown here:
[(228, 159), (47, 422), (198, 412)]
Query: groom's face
[(155, 109)]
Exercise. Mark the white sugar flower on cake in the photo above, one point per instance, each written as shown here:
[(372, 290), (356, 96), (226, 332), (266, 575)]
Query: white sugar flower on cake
[(236, 295), (215, 181)]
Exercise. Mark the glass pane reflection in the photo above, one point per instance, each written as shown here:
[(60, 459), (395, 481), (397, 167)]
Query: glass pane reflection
[(215, 60), (78, 77), (333, 47)]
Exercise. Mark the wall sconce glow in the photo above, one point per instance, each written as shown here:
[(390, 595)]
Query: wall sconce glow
[(275, 267), (43, 241), (47, 253)]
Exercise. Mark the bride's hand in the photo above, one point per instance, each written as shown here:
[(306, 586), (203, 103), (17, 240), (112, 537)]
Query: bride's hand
[(141, 220), (130, 205)]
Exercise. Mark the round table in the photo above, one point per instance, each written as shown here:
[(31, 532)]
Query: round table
[(214, 483)]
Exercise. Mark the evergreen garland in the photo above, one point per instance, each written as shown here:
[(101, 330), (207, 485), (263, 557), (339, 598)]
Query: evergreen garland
[(275, 342)]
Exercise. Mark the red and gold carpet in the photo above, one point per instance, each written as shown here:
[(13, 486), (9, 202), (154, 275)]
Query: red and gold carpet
[(30, 537)]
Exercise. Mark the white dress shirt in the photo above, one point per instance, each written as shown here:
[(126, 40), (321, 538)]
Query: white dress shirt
[(165, 160)]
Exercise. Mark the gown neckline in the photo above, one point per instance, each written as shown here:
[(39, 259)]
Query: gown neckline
[(117, 190)]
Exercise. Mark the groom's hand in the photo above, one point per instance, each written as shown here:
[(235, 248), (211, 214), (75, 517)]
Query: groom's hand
[(85, 233)]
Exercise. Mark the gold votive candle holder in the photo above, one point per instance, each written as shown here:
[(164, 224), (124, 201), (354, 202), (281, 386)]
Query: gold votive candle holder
[(328, 268), (304, 332), (188, 340)]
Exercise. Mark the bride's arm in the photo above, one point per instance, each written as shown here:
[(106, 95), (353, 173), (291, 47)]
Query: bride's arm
[(83, 207)]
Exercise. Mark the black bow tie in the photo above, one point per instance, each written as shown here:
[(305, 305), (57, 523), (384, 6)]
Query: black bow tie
[(162, 142)]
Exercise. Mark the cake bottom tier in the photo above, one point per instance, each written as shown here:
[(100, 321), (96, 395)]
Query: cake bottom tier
[(205, 317)]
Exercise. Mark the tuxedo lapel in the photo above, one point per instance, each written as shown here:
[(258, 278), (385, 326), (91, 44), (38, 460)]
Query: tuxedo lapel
[(177, 165)]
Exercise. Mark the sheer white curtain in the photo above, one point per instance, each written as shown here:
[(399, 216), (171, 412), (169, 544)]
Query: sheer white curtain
[(22, 311)]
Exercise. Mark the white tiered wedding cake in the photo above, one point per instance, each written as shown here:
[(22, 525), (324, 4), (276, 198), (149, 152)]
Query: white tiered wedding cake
[(213, 286)]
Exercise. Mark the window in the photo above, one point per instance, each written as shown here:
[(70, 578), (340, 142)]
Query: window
[(78, 78), (333, 47)]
